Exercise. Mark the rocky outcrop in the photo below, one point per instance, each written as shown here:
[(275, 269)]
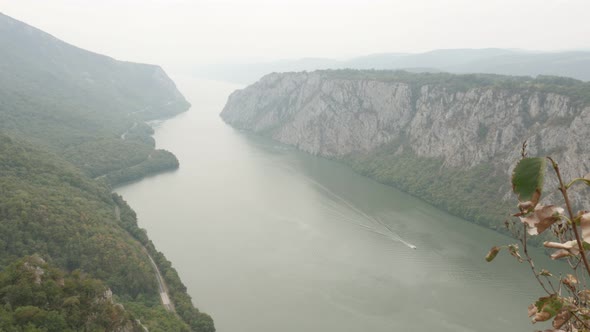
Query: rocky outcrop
[(463, 121)]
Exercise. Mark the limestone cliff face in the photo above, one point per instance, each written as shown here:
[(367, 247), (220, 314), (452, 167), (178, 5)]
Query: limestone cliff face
[(327, 115)]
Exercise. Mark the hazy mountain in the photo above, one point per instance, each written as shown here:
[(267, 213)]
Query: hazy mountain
[(569, 64), (250, 72), (492, 60), (438, 59), (70, 119), (79, 103), (125, 87)]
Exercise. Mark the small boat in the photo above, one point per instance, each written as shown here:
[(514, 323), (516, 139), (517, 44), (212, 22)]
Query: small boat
[(412, 246)]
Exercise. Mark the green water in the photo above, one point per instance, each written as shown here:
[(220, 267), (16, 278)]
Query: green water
[(267, 238)]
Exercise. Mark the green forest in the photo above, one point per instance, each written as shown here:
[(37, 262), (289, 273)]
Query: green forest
[(72, 125), (473, 194), (41, 297), (50, 208), (579, 91)]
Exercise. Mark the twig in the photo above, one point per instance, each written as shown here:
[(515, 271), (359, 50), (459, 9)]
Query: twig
[(579, 320), (571, 214), (551, 284), (530, 261)]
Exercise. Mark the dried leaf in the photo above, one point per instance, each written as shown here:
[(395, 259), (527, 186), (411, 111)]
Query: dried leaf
[(542, 218), (513, 249), (570, 280), (528, 178), (561, 318), (492, 253), (584, 295), (532, 310), (561, 254), (524, 207), (569, 248), (541, 316), (547, 307), (558, 245), (545, 273), (584, 220)]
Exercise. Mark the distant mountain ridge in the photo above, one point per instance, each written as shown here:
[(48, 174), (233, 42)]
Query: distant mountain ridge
[(574, 64)]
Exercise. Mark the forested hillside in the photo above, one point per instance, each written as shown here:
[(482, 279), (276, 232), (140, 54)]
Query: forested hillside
[(40, 297), (87, 107), (72, 123)]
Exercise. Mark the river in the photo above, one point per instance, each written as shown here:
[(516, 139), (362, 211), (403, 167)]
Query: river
[(267, 238)]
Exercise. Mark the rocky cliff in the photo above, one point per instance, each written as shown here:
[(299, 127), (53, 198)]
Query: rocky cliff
[(454, 126)]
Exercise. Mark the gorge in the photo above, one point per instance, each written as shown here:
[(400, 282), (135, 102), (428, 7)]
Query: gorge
[(451, 140), (318, 166), (270, 238)]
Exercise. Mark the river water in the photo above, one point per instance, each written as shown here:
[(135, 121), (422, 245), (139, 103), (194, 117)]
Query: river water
[(269, 239)]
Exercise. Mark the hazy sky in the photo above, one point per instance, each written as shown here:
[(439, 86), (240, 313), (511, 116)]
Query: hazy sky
[(180, 32)]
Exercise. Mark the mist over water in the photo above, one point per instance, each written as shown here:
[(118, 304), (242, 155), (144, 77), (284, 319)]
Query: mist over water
[(267, 238)]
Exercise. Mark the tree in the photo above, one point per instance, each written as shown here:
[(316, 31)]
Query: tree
[(566, 301)]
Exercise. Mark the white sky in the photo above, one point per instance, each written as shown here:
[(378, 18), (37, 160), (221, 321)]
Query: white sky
[(182, 32)]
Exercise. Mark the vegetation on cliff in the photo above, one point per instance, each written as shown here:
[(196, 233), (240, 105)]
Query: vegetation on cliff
[(50, 208), (473, 194), (72, 123), (182, 301), (38, 297), (579, 91)]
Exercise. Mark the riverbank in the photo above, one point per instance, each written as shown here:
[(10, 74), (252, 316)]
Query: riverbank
[(268, 231)]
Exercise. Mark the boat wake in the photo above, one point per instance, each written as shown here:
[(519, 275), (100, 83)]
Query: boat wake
[(360, 218)]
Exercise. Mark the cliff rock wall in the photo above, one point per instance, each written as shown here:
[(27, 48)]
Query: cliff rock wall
[(485, 123)]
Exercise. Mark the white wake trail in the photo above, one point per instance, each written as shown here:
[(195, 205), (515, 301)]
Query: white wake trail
[(388, 231), (399, 238)]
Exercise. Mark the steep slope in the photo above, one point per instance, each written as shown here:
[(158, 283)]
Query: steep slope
[(69, 120), (76, 102), (50, 208), (449, 139), (48, 299)]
